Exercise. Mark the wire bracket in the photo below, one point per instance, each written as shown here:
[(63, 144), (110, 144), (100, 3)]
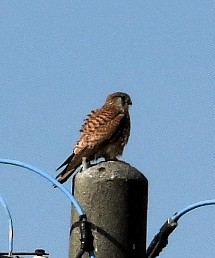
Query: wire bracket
[(86, 236)]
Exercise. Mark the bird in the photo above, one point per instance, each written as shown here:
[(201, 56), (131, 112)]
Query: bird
[(104, 134)]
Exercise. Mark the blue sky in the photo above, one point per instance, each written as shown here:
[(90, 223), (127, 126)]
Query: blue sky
[(60, 59)]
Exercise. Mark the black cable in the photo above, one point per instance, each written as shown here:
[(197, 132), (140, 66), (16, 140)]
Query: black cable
[(38, 252), (80, 254), (86, 236), (161, 239)]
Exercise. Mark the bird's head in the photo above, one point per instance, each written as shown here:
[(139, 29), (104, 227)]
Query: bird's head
[(119, 99)]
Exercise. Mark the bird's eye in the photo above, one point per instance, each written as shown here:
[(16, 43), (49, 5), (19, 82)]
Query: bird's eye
[(123, 99)]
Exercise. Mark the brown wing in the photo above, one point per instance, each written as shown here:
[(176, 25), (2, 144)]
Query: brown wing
[(98, 128)]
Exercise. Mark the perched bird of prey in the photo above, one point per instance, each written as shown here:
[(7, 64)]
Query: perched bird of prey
[(103, 135)]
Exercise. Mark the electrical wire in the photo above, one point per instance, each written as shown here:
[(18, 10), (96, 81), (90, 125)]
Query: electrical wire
[(191, 207), (7, 211), (55, 182), (161, 239), (48, 177)]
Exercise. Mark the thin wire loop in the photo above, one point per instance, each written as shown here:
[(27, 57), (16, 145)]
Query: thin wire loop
[(7, 211), (46, 176)]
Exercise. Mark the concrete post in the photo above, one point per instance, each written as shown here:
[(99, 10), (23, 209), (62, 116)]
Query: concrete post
[(114, 197)]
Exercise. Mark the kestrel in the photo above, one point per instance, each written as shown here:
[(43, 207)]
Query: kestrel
[(103, 135)]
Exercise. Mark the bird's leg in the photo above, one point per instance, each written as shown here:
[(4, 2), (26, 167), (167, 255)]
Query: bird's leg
[(85, 164)]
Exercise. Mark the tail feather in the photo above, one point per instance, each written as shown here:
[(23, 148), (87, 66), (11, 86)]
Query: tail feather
[(66, 162), (65, 174), (71, 165)]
